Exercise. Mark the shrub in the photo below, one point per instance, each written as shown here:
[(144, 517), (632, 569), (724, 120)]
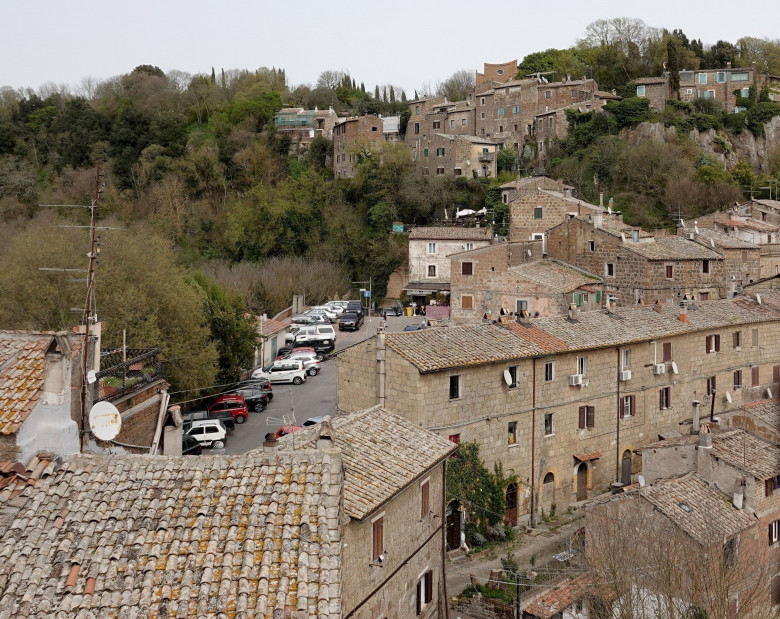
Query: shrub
[(759, 114), (704, 122), (736, 123), (629, 112)]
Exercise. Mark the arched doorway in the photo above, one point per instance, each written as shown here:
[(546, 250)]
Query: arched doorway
[(582, 481), (453, 525), (510, 517), (625, 468), (548, 489)]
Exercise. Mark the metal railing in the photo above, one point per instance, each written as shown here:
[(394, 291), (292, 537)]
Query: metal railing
[(119, 378)]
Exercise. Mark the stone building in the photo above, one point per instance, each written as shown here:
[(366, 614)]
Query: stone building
[(458, 155), (655, 90), (394, 508), (497, 72), (350, 136), (429, 251), (302, 126), (566, 403), (718, 84), (505, 112), (638, 267), (508, 278)]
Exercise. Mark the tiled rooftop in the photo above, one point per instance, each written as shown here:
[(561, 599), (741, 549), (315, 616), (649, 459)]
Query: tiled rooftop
[(559, 597), (22, 368), (382, 453), (673, 248), (270, 326), (709, 516), (722, 239), (256, 535), (451, 233), (765, 411), (557, 276), (747, 453), (438, 349), (651, 80), (747, 224)]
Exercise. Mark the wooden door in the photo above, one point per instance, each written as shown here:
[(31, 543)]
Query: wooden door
[(510, 517), (625, 474), (582, 482), (453, 527)]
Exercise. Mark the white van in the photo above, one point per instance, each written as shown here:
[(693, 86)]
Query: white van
[(320, 333)]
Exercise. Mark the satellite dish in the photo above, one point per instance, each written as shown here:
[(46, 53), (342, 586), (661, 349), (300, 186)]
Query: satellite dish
[(729, 398), (507, 378), (91, 377), (769, 393), (105, 421), (674, 367), (641, 480)]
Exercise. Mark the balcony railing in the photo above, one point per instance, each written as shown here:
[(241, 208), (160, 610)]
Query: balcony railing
[(119, 378), (487, 156)]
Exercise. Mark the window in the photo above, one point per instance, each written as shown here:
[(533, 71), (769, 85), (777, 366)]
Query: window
[(626, 359), (754, 335), (737, 379), (436, 124), (740, 76), (582, 365), (730, 553), (425, 152), (469, 246), (737, 338), (548, 424), (711, 385), (467, 268), (774, 532), (709, 94), (587, 417), (455, 387), (482, 116), (640, 91), (512, 376), (511, 433), (755, 376), (547, 94), (417, 128), (463, 122), (669, 271), (378, 537), (466, 301), (591, 245), (440, 152), (745, 92), (482, 100), (374, 128), (712, 343), (665, 398), (609, 269), (720, 77), (538, 212), (627, 406), (705, 266), (431, 248), (667, 354), (452, 123), (501, 111), (573, 94), (702, 78), (516, 110), (416, 109), (425, 494), (431, 270), (578, 299), (549, 371), (424, 591), (771, 484)]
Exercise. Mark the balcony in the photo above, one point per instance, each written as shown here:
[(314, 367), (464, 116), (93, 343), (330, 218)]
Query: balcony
[(120, 378), (487, 156)]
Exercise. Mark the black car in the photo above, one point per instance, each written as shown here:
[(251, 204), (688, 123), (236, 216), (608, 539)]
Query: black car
[(258, 383), (351, 321), (190, 446), (356, 307), (321, 348), (256, 398)]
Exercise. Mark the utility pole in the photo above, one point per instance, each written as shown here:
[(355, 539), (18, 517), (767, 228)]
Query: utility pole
[(517, 595)]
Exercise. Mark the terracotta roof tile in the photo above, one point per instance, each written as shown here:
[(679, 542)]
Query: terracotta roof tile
[(555, 275), (553, 601)]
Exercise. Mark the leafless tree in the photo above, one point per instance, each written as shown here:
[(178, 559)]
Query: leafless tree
[(457, 86), (330, 79)]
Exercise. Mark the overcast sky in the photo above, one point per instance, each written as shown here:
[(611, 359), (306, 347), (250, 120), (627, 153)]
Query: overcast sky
[(403, 42)]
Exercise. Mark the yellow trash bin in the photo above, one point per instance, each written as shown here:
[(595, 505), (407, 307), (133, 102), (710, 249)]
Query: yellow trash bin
[(407, 311)]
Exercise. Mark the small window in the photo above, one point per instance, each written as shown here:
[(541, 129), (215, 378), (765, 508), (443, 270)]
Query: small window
[(452, 123), (440, 152), (705, 266), (755, 375), (667, 352), (469, 246), (454, 438), (516, 110), (737, 379), (425, 505), (627, 406), (547, 94), (454, 387), (665, 398), (711, 382), (463, 122), (640, 91), (626, 359), (512, 376), (431, 248), (378, 536), (609, 269), (587, 417), (482, 116), (591, 245), (520, 305), (754, 334), (482, 101), (511, 433), (424, 591), (582, 365), (712, 343), (774, 532), (538, 212), (425, 152), (720, 77), (702, 78), (573, 94), (669, 271), (467, 268), (431, 270), (549, 371), (436, 124), (374, 128), (417, 128), (466, 301), (578, 299), (730, 553), (548, 424), (737, 339), (501, 111)]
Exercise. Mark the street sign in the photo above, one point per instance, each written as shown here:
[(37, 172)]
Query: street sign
[(366, 293)]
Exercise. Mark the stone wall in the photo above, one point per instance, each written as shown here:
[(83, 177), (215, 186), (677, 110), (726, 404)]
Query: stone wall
[(420, 260), (524, 220), (140, 413)]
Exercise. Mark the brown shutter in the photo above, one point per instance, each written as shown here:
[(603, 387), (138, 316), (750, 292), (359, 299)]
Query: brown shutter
[(583, 414), (755, 374), (770, 533), (776, 374), (378, 541), (419, 596), (633, 405), (591, 414), (769, 487), (717, 343), (669, 397), (706, 344), (622, 408), (668, 351), (428, 586)]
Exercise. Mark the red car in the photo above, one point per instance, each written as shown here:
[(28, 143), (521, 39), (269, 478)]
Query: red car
[(233, 404), (285, 430)]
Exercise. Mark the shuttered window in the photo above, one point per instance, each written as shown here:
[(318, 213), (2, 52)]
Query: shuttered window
[(627, 406), (776, 374), (424, 591), (755, 375), (665, 398), (425, 505), (466, 268), (378, 533), (667, 352), (587, 417)]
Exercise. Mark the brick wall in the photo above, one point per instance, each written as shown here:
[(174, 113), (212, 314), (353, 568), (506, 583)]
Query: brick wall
[(139, 416), (349, 137)]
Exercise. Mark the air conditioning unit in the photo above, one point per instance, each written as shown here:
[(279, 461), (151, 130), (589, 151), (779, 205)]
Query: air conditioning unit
[(625, 375), (575, 379), (659, 368)]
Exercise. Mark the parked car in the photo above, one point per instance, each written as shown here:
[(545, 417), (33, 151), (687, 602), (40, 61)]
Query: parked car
[(234, 404), (226, 417), (285, 430), (258, 383), (285, 371), (256, 398), (312, 421), (391, 311), (322, 333), (320, 349), (330, 312), (301, 320), (209, 433), (334, 309), (350, 321), (283, 353), (318, 319), (356, 307), (310, 362), (190, 446)]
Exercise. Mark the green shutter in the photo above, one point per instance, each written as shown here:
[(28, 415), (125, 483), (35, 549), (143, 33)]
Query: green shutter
[(578, 299), (598, 296), (425, 153)]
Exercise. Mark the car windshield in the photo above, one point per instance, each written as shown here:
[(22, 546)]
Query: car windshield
[(348, 317)]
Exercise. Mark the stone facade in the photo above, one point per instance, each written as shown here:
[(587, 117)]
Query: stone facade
[(457, 155), (497, 72), (536, 209), (717, 84), (655, 90), (537, 427), (431, 247), (302, 126), (350, 135)]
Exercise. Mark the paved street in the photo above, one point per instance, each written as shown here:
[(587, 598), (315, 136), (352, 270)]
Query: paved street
[(314, 398)]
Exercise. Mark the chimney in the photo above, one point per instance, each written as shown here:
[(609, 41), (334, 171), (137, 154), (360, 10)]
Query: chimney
[(728, 65), (696, 417), (611, 203), (567, 192), (573, 312), (601, 199), (598, 220), (739, 492), (658, 307), (325, 439), (684, 314), (524, 317)]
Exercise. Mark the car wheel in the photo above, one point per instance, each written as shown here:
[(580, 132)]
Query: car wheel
[(312, 371), (218, 444), (319, 356), (297, 380), (259, 407), (240, 418)]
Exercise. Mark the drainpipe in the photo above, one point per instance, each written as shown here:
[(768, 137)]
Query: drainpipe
[(446, 599), (533, 445), (381, 351), (617, 417)]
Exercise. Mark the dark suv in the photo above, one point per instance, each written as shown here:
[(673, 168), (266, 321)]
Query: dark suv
[(256, 399), (350, 320), (356, 307)]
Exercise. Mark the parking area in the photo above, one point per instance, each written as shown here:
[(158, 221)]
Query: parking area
[(294, 404)]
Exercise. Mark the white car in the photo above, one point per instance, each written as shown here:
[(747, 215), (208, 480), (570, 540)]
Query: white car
[(338, 305), (318, 318), (320, 333), (209, 433), (332, 312), (310, 362), (283, 371), (328, 315)]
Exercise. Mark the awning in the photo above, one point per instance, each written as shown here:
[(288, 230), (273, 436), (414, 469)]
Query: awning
[(587, 455), (426, 288)]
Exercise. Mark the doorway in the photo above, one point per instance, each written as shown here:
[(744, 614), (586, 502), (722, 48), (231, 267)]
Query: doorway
[(453, 525), (582, 481), (510, 517), (625, 468)]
